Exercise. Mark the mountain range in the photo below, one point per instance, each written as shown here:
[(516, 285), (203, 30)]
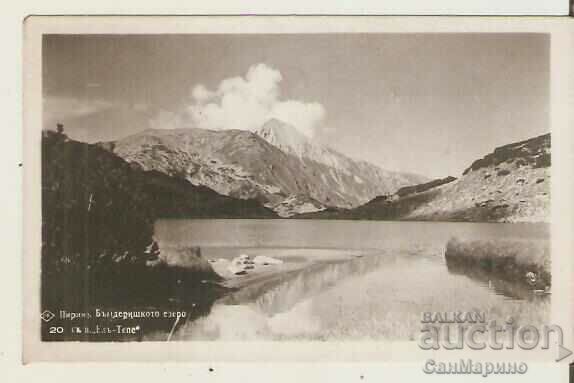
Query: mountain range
[(275, 165), (511, 184)]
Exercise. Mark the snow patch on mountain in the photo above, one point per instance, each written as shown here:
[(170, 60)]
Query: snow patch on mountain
[(296, 204)]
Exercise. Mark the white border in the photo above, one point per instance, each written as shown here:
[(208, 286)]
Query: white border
[(562, 187)]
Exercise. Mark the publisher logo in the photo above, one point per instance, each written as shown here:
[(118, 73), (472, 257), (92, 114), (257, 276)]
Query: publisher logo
[(47, 316)]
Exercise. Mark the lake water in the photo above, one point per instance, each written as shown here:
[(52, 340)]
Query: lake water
[(401, 273)]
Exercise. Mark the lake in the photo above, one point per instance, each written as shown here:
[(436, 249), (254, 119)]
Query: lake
[(372, 279)]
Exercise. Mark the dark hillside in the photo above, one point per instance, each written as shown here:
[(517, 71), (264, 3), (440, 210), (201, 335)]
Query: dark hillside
[(380, 208), (97, 230)]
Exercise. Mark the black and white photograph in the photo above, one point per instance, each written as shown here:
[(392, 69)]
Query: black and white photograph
[(292, 187), (323, 189)]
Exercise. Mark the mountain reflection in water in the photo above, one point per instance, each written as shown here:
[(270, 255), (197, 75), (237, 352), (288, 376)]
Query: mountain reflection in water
[(380, 295)]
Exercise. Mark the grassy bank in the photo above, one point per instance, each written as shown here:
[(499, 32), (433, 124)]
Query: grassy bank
[(526, 262)]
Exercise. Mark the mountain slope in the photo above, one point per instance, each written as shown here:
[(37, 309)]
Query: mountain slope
[(287, 170), (98, 215), (363, 177), (512, 184)]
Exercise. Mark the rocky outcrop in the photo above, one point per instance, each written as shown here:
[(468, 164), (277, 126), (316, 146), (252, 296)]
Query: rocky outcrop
[(512, 184), (296, 204), (534, 152), (243, 265)]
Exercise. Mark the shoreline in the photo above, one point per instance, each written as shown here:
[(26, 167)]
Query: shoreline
[(247, 288)]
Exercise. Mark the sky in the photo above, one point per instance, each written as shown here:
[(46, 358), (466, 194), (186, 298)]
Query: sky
[(429, 104)]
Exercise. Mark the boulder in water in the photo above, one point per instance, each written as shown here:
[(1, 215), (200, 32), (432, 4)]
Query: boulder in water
[(244, 259), (236, 269), (238, 266)]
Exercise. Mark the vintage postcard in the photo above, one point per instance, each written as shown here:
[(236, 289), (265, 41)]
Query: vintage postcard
[(299, 189)]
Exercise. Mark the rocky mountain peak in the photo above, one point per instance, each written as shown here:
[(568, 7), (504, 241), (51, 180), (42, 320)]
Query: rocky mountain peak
[(270, 165), (286, 137)]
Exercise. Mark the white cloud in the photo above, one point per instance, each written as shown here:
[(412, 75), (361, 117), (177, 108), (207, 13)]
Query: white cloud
[(246, 103), (201, 93)]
